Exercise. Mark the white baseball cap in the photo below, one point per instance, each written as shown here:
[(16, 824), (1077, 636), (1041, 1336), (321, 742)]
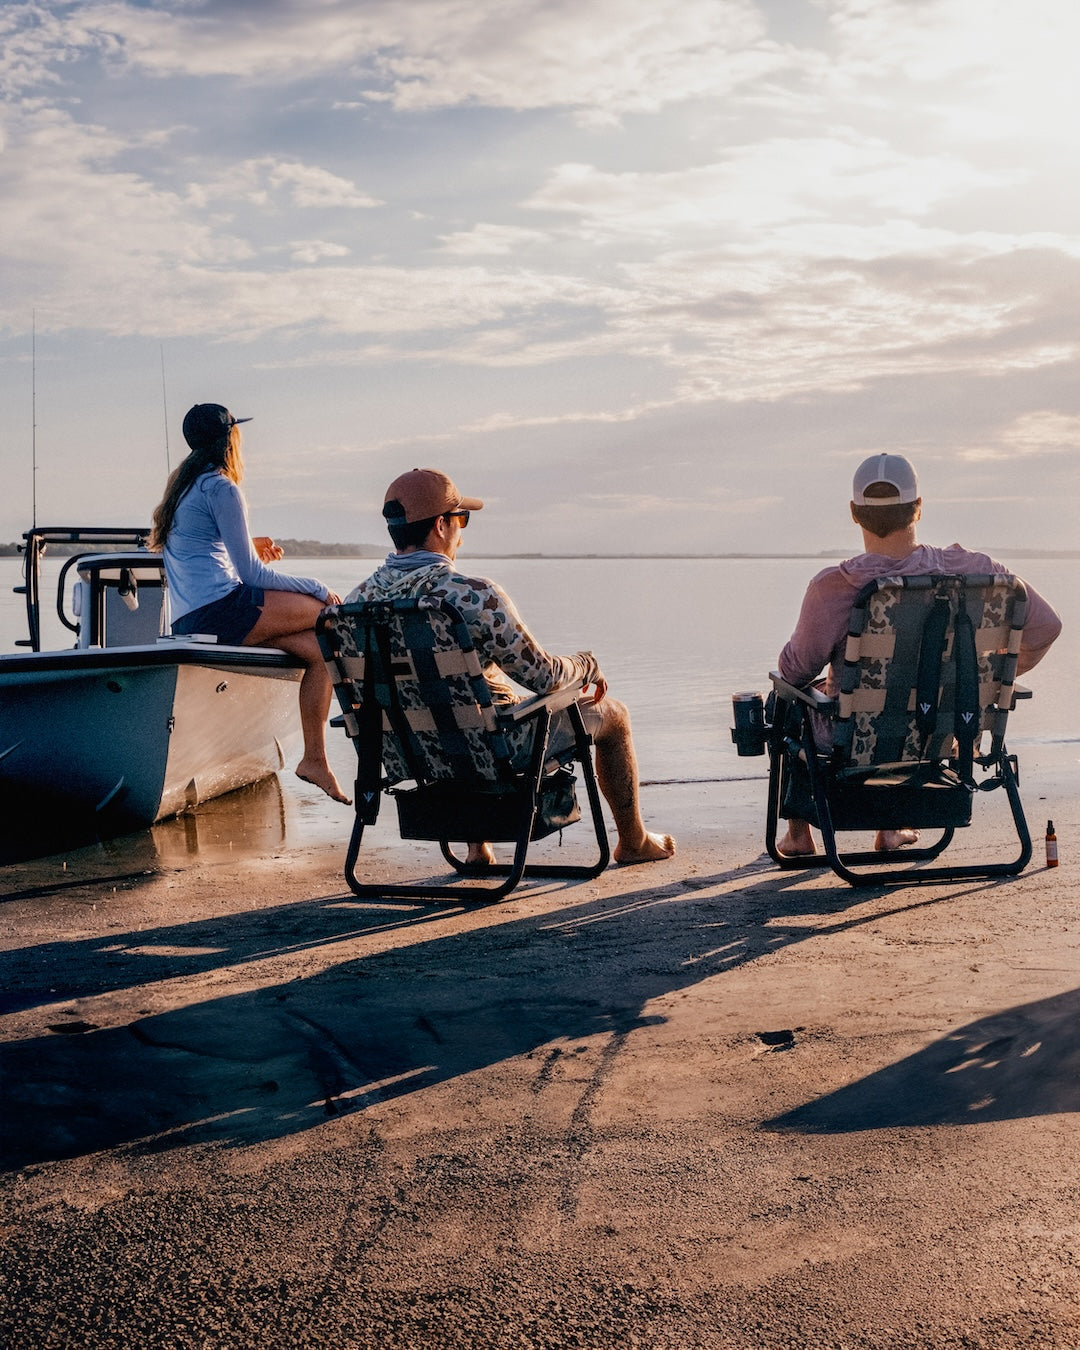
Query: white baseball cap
[(895, 470)]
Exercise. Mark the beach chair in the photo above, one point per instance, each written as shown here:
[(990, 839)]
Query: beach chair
[(416, 705), (916, 732)]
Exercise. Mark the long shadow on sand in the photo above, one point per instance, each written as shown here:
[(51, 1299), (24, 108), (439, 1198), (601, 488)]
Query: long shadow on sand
[(274, 1060), (1024, 1061)]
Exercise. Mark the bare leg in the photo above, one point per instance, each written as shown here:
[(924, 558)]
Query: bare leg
[(617, 777), (797, 842), (288, 621)]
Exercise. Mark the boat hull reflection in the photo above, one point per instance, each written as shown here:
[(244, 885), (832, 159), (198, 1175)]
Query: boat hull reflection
[(246, 822)]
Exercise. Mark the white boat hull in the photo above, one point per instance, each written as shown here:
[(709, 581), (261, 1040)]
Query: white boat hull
[(232, 727), (130, 736)]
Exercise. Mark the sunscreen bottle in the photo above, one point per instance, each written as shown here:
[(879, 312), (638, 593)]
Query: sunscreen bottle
[(1051, 845)]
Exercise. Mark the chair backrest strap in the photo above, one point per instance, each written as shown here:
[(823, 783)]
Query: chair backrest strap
[(931, 657), (928, 667), (379, 630), (369, 742), (967, 714), (966, 720)]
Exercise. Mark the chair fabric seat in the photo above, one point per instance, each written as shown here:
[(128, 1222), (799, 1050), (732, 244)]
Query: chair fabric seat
[(444, 810), (900, 796)]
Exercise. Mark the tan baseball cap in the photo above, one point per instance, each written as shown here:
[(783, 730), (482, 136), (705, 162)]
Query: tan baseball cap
[(424, 494)]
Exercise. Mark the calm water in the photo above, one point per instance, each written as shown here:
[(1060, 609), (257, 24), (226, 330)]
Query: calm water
[(675, 638)]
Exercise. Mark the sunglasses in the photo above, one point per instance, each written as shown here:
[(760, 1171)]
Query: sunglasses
[(462, 516)]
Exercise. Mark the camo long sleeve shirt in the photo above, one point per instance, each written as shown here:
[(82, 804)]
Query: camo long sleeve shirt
[(504, 644)]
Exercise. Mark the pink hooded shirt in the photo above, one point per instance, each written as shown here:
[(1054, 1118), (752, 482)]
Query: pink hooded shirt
[(820, 634)]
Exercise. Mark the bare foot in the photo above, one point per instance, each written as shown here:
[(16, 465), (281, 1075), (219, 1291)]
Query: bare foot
[(320, 775), (797, 843), (480, 853), (887, 840), (653, 848)]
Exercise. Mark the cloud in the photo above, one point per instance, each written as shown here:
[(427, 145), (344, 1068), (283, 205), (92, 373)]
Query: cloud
[(94, 246), (223, 303), (69, 217), (1046, 432), (393, 301), (990, 74), (314, 250), (33, 41), (790, 325), (314, 188), (490, 240), (771, 183), (603, 59), (770, 295), (269, 181), (807, 226)]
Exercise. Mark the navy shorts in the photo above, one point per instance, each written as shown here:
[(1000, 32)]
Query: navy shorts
[(230, 619)]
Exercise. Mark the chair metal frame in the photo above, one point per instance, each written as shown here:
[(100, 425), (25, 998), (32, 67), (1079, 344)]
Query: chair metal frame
[(933, 790), (479, 795)]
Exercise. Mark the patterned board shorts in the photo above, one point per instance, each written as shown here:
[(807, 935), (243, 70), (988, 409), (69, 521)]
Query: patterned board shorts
[(561, 733)]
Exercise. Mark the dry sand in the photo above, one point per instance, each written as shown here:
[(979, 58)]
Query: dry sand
[(701, 1103)]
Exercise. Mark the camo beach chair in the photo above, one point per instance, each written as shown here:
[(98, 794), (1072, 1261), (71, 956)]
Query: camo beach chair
[(420, 715), (915, 733)]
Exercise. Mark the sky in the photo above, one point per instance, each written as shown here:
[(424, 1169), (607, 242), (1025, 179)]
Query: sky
[(645, 278)]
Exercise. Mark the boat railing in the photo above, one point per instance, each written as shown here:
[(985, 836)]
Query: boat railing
[(36, 543)]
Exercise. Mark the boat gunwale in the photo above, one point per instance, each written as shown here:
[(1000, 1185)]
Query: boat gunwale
[(166, 652)]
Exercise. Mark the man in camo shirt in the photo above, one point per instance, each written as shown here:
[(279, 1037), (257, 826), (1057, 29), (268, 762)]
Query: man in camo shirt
[(426, 515)]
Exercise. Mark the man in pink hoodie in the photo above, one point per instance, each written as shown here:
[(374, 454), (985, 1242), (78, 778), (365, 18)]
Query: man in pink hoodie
[(886, 506)]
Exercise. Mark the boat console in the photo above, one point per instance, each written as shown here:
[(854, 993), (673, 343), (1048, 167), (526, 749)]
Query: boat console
[(118, 600)]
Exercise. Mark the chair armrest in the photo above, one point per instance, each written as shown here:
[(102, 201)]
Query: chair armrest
[(554, 701), (813, 698)]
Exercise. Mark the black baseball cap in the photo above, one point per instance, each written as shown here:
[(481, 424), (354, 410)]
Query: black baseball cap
[(207, 423)]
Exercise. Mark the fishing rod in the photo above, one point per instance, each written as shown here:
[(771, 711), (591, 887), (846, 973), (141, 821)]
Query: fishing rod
[(165, 409), (33, 418)]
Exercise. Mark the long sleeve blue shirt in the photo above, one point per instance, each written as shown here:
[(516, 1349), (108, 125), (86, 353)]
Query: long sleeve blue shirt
[(209, 551)]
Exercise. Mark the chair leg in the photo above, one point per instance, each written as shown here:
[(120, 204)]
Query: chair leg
[(1011, 783), (781, 745), (513, 871), (564, 871), (777, 782), (582, 757), (510, 874), (909, 873), (902, 867)]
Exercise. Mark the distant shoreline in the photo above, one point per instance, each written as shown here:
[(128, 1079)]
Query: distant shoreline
[(312, 548)]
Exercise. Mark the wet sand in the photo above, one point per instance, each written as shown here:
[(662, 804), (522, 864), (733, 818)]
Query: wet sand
[(700, 1103)]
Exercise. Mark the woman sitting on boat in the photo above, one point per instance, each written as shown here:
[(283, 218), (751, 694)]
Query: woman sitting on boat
[(218, 582)]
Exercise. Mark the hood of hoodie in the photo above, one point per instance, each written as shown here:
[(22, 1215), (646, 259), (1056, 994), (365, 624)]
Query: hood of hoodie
[(923, 559), (397, 582)]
